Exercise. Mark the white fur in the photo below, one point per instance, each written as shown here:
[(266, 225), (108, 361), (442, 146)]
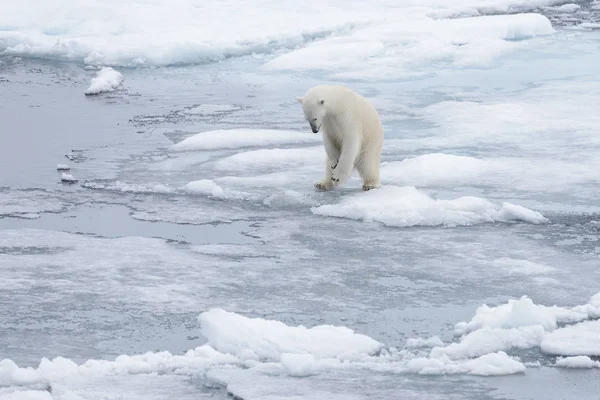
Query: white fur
[(352, 134)]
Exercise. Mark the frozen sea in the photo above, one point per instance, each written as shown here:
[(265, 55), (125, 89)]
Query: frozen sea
[(161, 238)]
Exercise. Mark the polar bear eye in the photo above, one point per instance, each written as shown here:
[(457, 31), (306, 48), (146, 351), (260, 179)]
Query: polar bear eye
[(314, 120), (322, 102)]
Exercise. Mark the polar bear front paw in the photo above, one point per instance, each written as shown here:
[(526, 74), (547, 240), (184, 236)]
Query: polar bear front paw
[(322, 185), (338, 176), (368, 187)]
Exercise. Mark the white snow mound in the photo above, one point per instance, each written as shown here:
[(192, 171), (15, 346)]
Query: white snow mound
[(407, 206), (106, 80), (577, 362), (516, 314), (487, 365), (240, 138), (257, 338), (523, 324), (205, 186), (272, 158)]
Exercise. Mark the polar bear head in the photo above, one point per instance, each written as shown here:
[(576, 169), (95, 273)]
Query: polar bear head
[(314, 109)]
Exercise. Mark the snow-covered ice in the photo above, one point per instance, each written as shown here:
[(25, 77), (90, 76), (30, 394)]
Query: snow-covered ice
[(434, 169), (579, 339), (106, 80), (240, 138), (577, 362), (268, 340), (388, 49), (68, 178), (566, 8), (187, 32), (194, 258), (407, 206), (205, 186)]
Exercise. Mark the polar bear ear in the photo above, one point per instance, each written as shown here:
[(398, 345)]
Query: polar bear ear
[(300, 99), (322, 102)]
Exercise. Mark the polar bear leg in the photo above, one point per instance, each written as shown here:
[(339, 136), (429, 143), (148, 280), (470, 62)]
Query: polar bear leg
[(348, 155), (327, 183), (368, 168)]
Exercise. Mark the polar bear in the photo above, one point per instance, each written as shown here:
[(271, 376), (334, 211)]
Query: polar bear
[(352, 134)]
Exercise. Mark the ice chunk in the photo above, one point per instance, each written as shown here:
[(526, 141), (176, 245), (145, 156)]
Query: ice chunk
[(592, 309), (580, 339), (106, 80), (11, 374), (160, 362), (240, 138), (268, 339), (186, 34), (514, 314), (392, 49), (565, 8), (435, 169), (494, 364), (68, 178), (407, 206), (577, 362), (488, 340), (63, 167), (205, 186), (487, 365), (272, 158), (522, 324), (589, 25), (515, 212)]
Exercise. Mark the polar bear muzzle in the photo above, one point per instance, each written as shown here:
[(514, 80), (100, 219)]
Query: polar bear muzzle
[(313, 125)]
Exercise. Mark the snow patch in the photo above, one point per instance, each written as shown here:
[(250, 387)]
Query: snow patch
[(407, 206), (434, 169), (106, 80), (240, 138), (394, 48), (272, 158), (179, 32)]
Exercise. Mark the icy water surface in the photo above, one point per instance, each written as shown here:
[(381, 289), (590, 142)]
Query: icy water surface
[(191, 257)]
